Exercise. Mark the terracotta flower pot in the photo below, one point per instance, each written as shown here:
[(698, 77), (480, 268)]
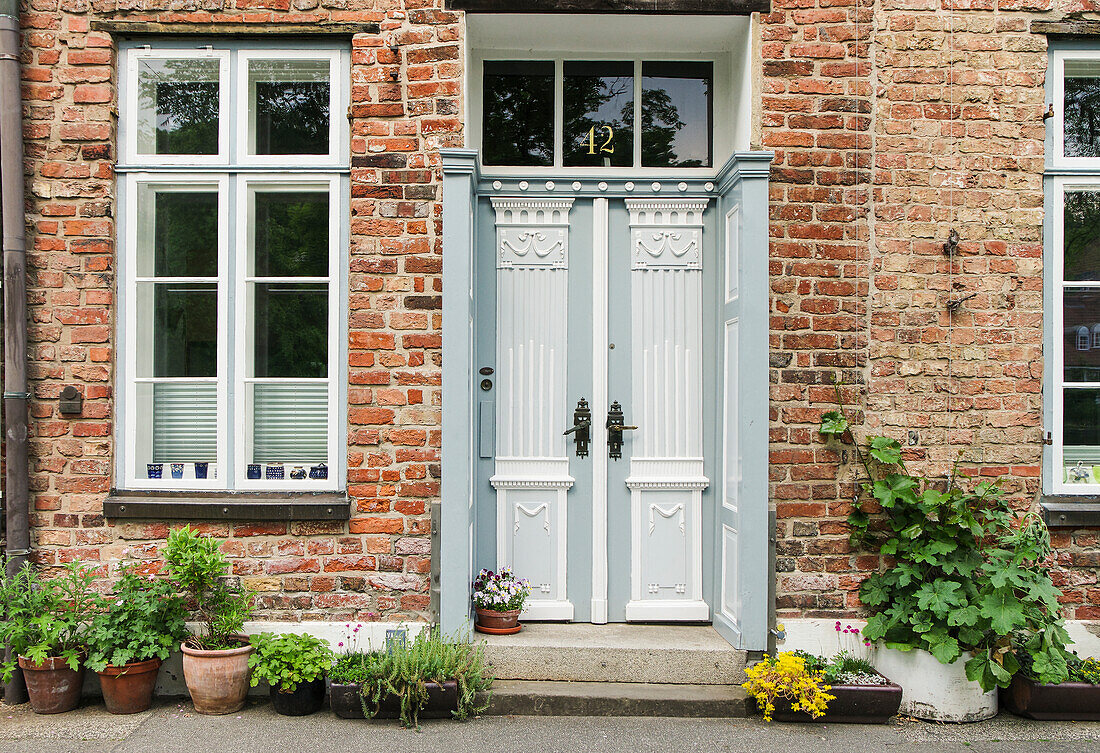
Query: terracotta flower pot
[(53, 687), (493, 620), (129, 689), (217, 680)]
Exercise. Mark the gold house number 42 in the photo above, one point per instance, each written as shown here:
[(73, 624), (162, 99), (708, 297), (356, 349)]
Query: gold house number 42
[(607, 147)]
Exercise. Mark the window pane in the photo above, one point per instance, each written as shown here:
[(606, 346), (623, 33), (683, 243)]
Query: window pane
[(599, 114), (676, 114), (291, 321), (291, 232), (1081, 240), (290, 424), (289, 106), (518, 120), (177, 329), (1081, 435), (184, 234), (1082, 109), (178, 106), (1081, 334)]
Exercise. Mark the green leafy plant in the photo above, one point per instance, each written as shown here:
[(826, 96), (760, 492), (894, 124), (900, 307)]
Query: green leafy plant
[(143, 619), (966, 570), (289, 659), (201, 570), (403, 673), (46, 617)]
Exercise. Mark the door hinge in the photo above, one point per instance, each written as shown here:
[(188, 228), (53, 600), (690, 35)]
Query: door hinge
[(1048, 439)]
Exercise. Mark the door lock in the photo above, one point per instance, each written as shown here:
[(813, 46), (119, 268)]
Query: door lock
[(615, 429), (581, 431)]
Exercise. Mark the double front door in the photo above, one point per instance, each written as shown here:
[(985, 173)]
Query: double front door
[(597, 411)]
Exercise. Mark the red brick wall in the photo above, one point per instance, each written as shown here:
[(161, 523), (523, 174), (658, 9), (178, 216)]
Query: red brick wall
[(894, 122), (405, 106)]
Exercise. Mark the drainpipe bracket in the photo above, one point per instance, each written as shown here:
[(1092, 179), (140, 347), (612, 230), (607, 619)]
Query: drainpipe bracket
[(17, 395)]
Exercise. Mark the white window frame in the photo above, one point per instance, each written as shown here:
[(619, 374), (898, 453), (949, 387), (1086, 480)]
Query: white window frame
[(1056, 317), (129, 95), (232, 172), (337, 124), (1058, 81)]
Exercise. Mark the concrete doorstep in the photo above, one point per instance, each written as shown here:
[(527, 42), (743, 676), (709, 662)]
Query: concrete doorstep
[(550, 698)]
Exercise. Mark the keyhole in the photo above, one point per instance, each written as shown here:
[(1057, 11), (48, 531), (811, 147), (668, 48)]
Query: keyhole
[(611, 346)]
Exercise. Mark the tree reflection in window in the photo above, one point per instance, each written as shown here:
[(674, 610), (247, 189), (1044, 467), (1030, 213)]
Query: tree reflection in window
[(178, 103), (518, 113), (1081, 129), (676, 114), (291, 106), (598, 109)]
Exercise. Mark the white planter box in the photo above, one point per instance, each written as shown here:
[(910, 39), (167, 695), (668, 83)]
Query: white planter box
[(934, 691)]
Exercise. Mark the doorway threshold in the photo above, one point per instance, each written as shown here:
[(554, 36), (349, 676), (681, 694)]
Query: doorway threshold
[(616, 652)]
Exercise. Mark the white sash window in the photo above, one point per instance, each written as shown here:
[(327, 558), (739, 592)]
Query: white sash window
[(232, 194)]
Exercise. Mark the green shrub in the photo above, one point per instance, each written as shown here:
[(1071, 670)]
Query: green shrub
[(46, 617), (143, 619), (966, 570), (200, 568), (288, 659)]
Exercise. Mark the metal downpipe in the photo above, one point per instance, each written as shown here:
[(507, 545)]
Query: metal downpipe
[(16, 495)]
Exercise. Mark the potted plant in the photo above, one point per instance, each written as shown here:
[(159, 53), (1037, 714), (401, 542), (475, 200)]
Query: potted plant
[(433, 677), (294, 665), (44, 623), (862, 695), (142, 624), (1042, 692), (498, 600), (962, 571), (784, 684), (215, 659)]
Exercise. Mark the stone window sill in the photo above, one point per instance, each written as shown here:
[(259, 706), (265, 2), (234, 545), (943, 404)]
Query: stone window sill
[(282, 506), (1070, 511)]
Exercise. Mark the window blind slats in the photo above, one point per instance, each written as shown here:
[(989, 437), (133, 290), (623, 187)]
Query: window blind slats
[(185, 423), (291, 423)]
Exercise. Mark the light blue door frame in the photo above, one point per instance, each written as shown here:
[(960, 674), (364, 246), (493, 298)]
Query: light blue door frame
[(734, 578)]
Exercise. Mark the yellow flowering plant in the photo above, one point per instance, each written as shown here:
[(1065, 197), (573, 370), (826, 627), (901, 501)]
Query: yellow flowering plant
[(786, 676)]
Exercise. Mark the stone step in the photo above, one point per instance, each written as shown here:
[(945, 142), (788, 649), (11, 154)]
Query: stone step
[(662, 654), (549, 698)]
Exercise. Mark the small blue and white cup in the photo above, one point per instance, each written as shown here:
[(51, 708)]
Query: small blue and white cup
[(253, 470), (201, 469), (155, 470), (275, 471), (177, 470)]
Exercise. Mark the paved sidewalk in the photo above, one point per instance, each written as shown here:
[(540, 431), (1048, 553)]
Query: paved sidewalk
[(173, 727)]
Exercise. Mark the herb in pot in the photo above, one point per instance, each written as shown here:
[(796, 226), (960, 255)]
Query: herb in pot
[(286, 660)]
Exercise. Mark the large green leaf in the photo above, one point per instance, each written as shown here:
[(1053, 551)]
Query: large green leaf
[(938, 597), (1003, 609), (945, 648)]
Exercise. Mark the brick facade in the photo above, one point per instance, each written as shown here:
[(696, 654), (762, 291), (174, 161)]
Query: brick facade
[(893, 121), (406, 86)]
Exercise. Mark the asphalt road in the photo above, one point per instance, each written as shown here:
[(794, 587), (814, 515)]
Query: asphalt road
[(173, 727)]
